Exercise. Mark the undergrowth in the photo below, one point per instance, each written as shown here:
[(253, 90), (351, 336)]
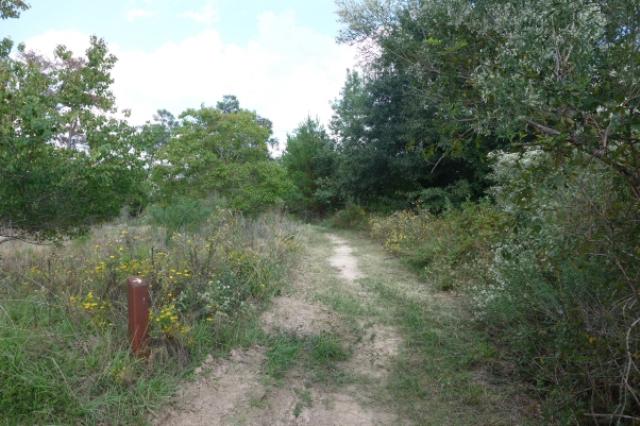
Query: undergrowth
[(451, 250), (550, 273), (64, 354)]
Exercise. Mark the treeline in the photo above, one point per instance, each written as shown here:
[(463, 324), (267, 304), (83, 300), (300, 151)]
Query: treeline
[(506, 138), (70, 159)]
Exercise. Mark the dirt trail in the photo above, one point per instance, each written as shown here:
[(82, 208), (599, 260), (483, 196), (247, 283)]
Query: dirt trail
[(343, 260), (348, 288), (234, 391)]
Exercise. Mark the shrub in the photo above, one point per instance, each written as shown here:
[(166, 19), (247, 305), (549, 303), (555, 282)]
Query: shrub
[(453, 250), (438, 200), (351, 217), (552, 268), (182, 214), (565, 299)]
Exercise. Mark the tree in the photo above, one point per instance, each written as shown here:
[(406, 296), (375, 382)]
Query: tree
[(560, 81), (12, 8), (229, 104), (393, 147), (66, 163), (212, 152), (561, 74), (310, 160), (153, 136)]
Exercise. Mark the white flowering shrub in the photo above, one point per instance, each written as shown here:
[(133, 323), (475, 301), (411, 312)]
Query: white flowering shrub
[(564, 293)]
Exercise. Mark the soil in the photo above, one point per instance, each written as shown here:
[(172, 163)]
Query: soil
[(232, 391), (333, 292)]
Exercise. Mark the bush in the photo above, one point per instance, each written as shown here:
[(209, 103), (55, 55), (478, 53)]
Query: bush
[(453, 250), (182, 214), (565, 298), (552, 268), (351, 217), (259, 187), (438, 200)]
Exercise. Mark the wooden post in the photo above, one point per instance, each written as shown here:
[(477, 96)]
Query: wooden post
[(139, 301)]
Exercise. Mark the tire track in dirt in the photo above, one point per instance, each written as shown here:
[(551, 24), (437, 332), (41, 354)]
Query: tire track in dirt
[(234, 391)]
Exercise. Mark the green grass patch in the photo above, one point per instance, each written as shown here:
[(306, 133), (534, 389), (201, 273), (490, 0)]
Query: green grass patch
[(343, 303), (317, 354), (436, 374), (282, 354)]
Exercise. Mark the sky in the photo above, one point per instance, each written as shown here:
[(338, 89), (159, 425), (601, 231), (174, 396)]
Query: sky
[(279, 57)]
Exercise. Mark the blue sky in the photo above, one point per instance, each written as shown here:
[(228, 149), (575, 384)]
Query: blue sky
[(278, 56)]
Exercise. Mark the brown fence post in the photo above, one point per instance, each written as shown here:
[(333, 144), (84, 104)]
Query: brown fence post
[(139, 301)]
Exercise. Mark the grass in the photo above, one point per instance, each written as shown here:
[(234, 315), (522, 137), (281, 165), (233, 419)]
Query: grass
[(442, 371), (439, 359), (64, 356), (53, 368), (317, 355), (344, 303), (282, 354), (304, 401)]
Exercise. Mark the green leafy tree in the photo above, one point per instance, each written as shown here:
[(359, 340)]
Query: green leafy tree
[(216, 153), (310, 159), (153, 136), (229, 104), (559, 80), (12, 8), (66, 164), (392, 147), (563, 74)]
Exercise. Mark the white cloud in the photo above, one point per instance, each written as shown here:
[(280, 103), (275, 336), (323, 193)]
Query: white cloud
[(135, 14), (285, 73), (46, 43), (207, 15)]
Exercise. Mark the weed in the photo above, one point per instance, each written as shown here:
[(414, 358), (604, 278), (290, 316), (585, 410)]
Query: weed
[(304, 401), (343, 303), (351, 217), (64, 356), (317, 354), (282, 354), (435, 373), (326, 349)]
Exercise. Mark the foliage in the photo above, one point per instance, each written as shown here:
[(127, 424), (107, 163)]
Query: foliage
[(310, 160), (453, 250), (205, 285), (66, 164), (211, 152), (12, 8), (551, 270), (229, 104), (564, 298), (153, 136), (553, 267), (561, 73), (351, 217), (259, 186), (393, 144), (184, 215)]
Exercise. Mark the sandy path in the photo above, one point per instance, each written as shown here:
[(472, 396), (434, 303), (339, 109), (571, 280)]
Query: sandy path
[(234, 391)]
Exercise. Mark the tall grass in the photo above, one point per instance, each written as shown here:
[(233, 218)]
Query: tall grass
[(551, 269), (64, 356), (453, 250)]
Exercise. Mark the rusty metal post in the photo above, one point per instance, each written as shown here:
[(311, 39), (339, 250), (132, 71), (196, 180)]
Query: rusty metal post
[(139, 301)]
